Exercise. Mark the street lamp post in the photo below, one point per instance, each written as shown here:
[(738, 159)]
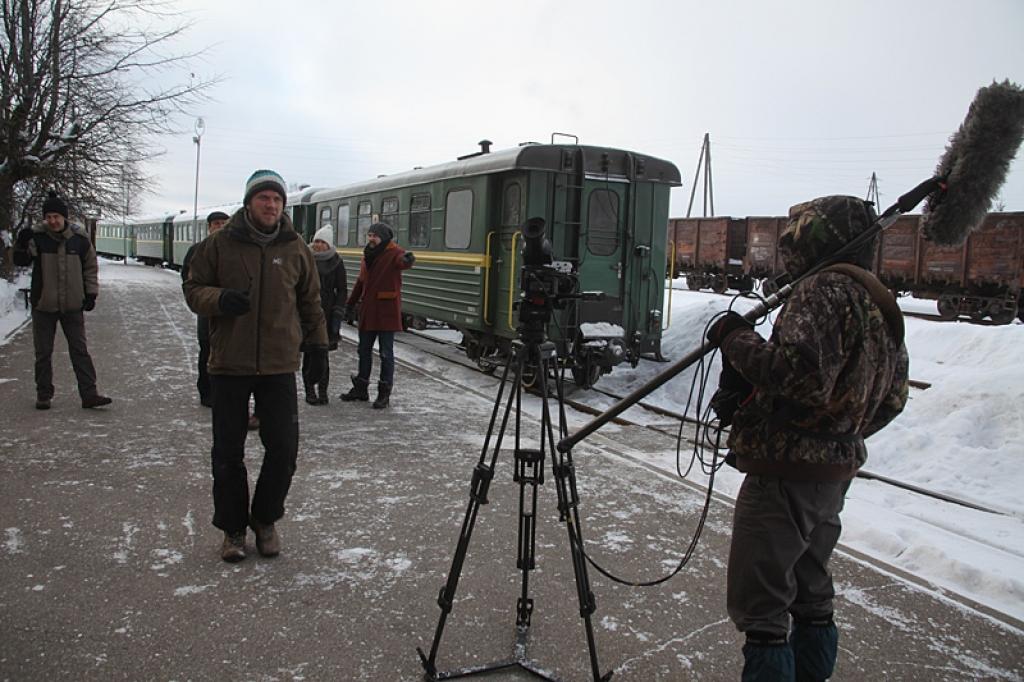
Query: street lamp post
[(197, 138)]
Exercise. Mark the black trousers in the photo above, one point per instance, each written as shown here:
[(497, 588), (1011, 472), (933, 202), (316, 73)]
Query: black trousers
[(310, 381), (203, 335), (277, 409), (44, 329)]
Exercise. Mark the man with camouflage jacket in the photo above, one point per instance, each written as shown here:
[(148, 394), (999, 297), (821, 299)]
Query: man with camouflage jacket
[(833, 372)]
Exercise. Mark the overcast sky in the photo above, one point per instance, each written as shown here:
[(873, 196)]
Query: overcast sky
[(800, 98)]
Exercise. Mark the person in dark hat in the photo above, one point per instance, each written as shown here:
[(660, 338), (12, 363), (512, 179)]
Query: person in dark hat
[(65, 283), (833, 372), (378, 295), (214, 221), (257, 282)]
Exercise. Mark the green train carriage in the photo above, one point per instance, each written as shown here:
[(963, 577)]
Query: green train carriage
[(605, 211)]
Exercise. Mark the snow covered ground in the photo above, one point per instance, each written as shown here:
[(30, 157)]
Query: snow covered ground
[(963, 436)]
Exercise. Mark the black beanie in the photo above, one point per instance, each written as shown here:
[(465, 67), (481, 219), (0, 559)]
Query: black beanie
[(382, 230), (55, 204)]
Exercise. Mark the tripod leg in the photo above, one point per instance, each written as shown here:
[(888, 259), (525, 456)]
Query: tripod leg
[(568, 510), (483, 473)]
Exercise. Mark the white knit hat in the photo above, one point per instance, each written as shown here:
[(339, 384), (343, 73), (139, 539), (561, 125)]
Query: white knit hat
[(326, 235)]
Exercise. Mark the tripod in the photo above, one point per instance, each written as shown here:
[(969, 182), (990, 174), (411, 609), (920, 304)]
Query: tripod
[(540, 355)]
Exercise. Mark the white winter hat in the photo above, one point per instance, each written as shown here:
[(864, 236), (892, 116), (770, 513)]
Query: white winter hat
[(326, 235)]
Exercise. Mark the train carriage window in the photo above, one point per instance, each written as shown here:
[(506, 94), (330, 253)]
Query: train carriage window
[(419, 221), (458, 219), (603, 222), (325, 216), (341, 228), (510, 211), (389, 212), (363, 222)]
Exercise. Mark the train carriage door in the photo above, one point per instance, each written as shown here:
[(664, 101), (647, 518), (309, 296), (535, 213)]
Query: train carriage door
[(503, 282), (602, 240)]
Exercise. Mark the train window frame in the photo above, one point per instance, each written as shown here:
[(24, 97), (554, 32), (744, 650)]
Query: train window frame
[(510, 219), (388, 216), (419, 221), (598, 231), (325, 216), (458, 222), (341, 232), (364, 218)]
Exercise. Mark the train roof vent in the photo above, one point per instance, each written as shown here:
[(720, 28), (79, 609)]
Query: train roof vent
[(485, 148)]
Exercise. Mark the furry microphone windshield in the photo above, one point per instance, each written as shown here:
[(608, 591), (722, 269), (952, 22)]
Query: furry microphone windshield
[(975, 163)]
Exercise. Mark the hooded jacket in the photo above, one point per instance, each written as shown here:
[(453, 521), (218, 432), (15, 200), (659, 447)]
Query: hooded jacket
[(378, 290), (832, 373), (64, 268), (284, 291)]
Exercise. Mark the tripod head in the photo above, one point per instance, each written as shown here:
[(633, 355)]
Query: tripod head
[(544, 284)]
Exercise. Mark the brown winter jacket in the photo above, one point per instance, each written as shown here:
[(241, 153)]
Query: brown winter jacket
[(284, 291), (64, 269), (378, 291), (832, 374)]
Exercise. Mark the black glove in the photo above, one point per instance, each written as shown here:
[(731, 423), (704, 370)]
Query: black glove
[(234, 302), (90, 302), (727, 324), (409, 258), (317, 364), (733, 391), (350, 314), (24, 237)]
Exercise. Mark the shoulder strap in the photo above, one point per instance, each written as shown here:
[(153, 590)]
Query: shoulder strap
[(882, 297)]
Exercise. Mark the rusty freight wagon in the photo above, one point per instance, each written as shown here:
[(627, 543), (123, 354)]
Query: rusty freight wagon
[(709, 252)]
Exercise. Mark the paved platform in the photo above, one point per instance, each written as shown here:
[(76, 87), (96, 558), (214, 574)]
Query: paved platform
[(109, 567)]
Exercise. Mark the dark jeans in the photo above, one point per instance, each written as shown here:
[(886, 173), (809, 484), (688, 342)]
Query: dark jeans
[(386, 343), (44, 330), (277, 410), (203, 335), (782, 538), (309, 381)]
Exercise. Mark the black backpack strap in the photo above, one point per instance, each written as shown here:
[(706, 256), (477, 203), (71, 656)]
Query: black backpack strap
[(881, 295)]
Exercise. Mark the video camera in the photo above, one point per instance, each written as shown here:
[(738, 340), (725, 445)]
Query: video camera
[(545, 284)]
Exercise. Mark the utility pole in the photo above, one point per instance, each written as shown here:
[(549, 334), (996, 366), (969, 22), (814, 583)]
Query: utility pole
[(709, 192), (873, 191)]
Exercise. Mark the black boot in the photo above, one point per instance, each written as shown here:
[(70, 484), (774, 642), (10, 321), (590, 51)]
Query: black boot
[(383, 395), (311, 394), (322, 391), (359, 391)]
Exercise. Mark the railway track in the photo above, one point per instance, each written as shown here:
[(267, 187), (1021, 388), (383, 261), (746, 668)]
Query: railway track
[(449, 351)]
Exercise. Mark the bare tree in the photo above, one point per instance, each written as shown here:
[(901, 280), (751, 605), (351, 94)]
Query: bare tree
[(86, 84)]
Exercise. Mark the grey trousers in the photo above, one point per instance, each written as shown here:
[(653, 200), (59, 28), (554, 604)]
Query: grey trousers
[(783, 536), (44, 330)]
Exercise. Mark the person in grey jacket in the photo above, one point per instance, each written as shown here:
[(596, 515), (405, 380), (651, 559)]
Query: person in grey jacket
[(64, 285)]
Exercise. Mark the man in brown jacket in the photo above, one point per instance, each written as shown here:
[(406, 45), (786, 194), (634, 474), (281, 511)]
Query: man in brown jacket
[(378, 295), (64, 284), (256, 281)]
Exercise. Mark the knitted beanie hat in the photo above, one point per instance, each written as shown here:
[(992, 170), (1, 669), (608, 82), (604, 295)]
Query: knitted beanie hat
[(325, 234), (382, 230), (55, 204), (265, 179)]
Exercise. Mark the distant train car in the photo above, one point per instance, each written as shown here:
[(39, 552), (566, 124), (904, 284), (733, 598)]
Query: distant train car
[(982, 278), (605, 211)]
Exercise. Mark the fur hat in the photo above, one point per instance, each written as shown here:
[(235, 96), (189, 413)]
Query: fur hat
[(217, 215), (818, 228), (55, 204), (382, 230), (325, 234), (265, 179)]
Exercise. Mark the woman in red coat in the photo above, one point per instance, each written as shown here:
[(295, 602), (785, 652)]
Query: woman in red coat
[(378, 295)]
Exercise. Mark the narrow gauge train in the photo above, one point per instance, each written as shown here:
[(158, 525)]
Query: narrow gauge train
[(165, 239), (605, 211), (982, 278)]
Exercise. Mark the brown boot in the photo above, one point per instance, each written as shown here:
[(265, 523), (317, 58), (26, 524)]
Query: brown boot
[(268, 543), (233, 549)]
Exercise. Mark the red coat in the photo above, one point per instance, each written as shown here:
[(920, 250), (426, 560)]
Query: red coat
[(378, 291)]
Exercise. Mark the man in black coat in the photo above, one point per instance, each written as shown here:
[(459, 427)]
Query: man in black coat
[(214, 222)]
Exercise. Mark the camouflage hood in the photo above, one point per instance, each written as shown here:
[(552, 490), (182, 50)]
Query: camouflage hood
[(820, 227)]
